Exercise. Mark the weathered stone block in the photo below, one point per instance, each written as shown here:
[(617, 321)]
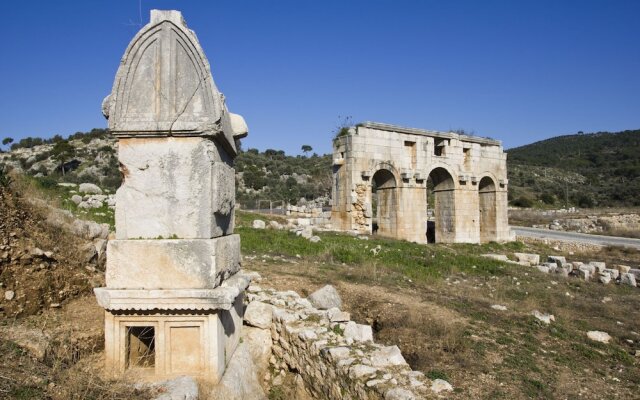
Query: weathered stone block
[(614, 273), (174, 187), (176, 264), (532, 259), (560, 260), (628, 279), (598, 266)]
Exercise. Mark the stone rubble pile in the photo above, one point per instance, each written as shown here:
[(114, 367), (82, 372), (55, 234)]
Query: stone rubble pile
[(306, 231), (333, 356), (593, 270)]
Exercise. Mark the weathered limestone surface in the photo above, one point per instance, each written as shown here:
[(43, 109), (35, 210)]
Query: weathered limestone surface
[(174, 296), (177, 264), (468, 173), (174, 187), (164, 87)]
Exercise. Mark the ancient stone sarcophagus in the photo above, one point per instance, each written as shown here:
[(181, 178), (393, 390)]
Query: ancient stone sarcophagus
[(173, 295)]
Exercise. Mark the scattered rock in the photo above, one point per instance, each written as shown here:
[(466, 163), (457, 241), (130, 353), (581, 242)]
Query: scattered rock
[(628, 279), (399, 394), (240, 380), (584, 274), (387, 356), (532, 259), (275, 225), (258, 224), (604, 278), (614, 273), (314, 239), (440, 385), (543, 269), (335, 315), (546, 318), (259, 314), (100, 245), (598, 266), (623, 268), (499, 257), (36, 252), (560, 260), (90, 230), (588, 267), (9, 295), (499, 307), (180, 388), (260, 345), (89, 188), (307, 232), (358, 371), (599, 336), (76, 199), (325, 298), (34, 341), (358, 332), (89, 253)]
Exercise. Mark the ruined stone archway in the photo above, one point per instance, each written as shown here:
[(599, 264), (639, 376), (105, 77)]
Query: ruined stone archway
[(384, 199), (454, 162), (487, 201), (441, 228)]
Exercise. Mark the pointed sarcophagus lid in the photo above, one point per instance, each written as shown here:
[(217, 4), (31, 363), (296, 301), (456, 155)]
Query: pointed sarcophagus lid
[(164, 87)]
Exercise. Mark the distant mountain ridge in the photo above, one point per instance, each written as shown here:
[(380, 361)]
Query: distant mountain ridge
[(609, 164)]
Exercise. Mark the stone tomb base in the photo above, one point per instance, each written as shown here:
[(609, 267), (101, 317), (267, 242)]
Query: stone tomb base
[(192, 332)]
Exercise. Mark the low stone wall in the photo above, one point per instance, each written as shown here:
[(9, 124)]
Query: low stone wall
[(334, 357), (308, 215)]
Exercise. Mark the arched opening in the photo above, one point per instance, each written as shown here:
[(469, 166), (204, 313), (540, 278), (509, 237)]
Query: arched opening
[(487, 203), (440, 206), (384, 202)]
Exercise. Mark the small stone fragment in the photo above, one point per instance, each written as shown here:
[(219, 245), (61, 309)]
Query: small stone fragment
[(599, 336), (335, 315), (387, 356), (546, 318), (628, 279), (358, 332), (440, 385), (258, 224), (258, 314), (325, 298)]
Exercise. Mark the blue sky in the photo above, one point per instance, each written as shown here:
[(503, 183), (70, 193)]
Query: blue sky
[(517, 71)]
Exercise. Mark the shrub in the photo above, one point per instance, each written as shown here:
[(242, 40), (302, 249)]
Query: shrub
[(547, 198), (523, 201), (5, 179)]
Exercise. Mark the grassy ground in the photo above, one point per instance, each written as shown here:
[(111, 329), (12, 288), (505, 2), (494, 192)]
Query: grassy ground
[(435, 302)]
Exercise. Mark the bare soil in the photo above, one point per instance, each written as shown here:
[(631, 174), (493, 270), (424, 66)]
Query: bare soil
[(51, 328)]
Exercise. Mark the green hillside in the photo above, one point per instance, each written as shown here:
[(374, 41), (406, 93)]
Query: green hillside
[(598, 169), (585, 170)]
